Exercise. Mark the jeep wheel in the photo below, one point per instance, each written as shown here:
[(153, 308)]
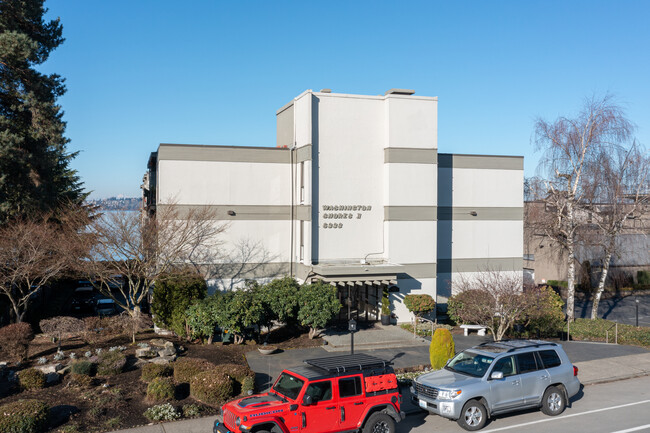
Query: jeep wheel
[(379, 423), (554, 401), (473, 416)]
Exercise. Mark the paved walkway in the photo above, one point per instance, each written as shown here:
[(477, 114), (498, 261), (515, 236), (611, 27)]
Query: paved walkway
[(597, 362)]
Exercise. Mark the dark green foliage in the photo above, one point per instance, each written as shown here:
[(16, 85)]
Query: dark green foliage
[(241, 308), (419, 304), (546, 315), (192, 410), (24, 416), (385, 304), (211, 387), (643, 277), (151, 371), (110, 363), (82, 367), (202, 316), (186, 368), (557, 283), (161, 389), (441, 349), (34, 161), (172, 295), (281, 298), (318, 304), (454, 306), (31, 379), (14, 340)]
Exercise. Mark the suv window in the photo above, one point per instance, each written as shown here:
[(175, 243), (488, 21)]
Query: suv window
[(526, 362), (320, 391), (506, 366), (549, 358), (350, 386)]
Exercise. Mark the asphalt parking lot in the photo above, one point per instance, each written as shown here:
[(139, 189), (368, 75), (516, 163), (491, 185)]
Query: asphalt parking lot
[(621, 309)]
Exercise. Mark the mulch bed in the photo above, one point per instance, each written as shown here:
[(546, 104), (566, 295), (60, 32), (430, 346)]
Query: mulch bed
[(119, 402)]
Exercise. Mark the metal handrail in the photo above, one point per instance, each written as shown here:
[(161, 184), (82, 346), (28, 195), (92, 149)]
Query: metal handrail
[(615, 325), (415, 325)]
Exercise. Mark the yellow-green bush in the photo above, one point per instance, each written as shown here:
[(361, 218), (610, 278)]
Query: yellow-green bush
[(151, 371), (80, 380), (441, 349), (186, 368), (24, 416), (31, 379)]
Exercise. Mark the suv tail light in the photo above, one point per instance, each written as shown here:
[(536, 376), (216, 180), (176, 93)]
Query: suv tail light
[(575, 370)]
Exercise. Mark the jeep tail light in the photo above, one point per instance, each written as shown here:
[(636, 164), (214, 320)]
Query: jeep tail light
[(575, 370)]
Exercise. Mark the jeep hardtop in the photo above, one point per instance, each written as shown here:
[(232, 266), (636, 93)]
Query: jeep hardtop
[(348, 393)]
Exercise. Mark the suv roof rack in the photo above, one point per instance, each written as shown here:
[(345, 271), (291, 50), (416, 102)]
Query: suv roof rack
[(512, 345), (345, 363)]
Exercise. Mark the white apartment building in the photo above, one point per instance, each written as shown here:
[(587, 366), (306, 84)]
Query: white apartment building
[(356, 194)]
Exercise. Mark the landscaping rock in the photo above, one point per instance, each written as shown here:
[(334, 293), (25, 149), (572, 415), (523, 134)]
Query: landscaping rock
[(161, 331), (51, 378), (163, 359), (145, 352), (3, 368), (50, 368), (167, 351)]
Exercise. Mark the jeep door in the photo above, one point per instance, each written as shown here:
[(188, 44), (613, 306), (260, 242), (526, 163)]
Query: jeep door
[(534, 377), (321, 416), (352, 402), (505, 393)]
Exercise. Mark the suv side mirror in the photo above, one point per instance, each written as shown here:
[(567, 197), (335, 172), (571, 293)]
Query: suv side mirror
[(496, 375), (307, 400)]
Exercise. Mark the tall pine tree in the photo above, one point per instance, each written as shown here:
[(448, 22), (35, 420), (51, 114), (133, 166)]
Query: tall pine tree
[(35, 173)]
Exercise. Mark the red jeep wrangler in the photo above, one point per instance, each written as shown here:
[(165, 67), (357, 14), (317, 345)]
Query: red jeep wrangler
[(348, 393)]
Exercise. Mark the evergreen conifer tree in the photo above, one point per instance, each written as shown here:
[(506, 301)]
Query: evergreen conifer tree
[(35, 173)]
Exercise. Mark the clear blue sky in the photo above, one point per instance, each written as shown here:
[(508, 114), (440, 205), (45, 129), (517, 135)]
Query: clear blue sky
[(140, 73)]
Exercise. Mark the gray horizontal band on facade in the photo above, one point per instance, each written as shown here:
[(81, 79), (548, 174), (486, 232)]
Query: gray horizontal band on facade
[(410, 155), (446, 213), (410, 213), (419, 270), (448, 160), (252, 213), (303, 153), (186, 152), (446, 266)]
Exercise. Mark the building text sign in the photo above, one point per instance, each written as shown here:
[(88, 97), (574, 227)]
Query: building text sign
[(342, 212)]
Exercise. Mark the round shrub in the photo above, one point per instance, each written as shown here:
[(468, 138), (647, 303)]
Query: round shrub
[(14, 340), (192, 410), (31, 379), (211, 387), (161, 389), (83, 367), (419, 304), (248, 385), (24, 416), (186, 368), (441, 348), (110, 363), (151, 371), (162, 412), (238, 372), (80, 380), (546, 317)]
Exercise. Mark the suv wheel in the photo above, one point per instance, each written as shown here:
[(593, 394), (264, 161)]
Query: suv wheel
[(553, 402), (380, 423), (473, 417)]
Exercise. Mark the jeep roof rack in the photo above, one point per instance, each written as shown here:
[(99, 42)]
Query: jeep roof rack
[(346, 363), (512, 345)]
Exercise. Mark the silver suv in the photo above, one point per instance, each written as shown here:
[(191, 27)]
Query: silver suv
[(499, 377)]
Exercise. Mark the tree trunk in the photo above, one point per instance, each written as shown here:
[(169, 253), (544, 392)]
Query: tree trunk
[(601, 286), (135, 317), (312, 333), (570, 295), (210, 339)]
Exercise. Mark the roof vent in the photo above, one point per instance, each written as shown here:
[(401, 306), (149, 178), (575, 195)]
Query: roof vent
[(326, 90), (399, 92)]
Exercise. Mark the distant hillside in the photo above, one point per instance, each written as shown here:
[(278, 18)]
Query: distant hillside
[(115, 203)]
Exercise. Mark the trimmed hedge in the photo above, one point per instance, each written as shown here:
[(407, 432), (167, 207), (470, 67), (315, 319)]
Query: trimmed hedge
[(151, 371), (594, 330), (186, 368), (211, 387), (80, 380), (237, 371), (419, 304), (31, 379), (82, 367), (161, 389), (14, 340), (24, 416)]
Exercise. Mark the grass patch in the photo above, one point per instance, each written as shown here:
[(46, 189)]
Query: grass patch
[(424, 329), (595, 330)]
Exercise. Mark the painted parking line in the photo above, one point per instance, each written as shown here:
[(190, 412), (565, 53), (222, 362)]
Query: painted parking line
[(566, 416), (641, 427)]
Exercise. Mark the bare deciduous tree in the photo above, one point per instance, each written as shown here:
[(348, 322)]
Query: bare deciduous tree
[(33, 253), (571, 147), (620, 186), (129, 251), (493, 299), (247, 258)]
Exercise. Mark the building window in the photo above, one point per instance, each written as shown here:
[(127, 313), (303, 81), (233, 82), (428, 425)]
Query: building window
[(302, 240), (302, 182)]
